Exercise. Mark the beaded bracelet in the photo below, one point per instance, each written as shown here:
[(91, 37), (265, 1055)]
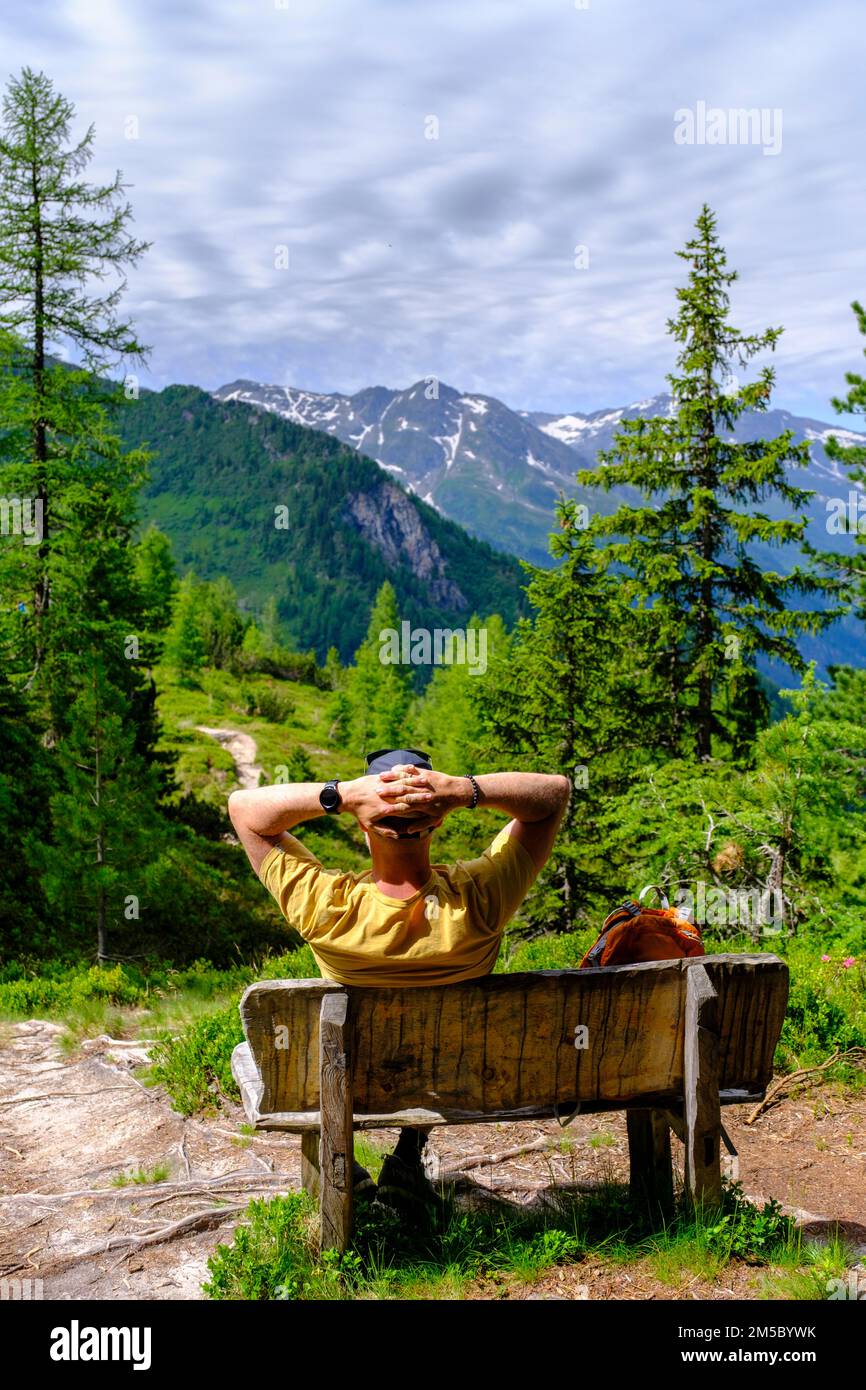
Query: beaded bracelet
[(474, 790)]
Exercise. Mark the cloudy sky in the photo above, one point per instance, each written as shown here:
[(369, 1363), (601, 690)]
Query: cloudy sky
[(427, 172)]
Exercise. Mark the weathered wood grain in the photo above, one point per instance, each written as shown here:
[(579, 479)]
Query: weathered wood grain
[(703, 1176), (649, 1156), (503, 1046), (310, 1141), (336, 1142)]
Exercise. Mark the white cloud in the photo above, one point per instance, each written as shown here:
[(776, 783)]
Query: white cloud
[(305, 126)]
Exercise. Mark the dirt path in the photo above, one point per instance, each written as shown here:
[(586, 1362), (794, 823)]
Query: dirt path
[(243, 750), (69, 1125)]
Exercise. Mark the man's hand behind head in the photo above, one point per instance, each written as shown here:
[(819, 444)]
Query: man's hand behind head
[(364, 799), (435, 794)]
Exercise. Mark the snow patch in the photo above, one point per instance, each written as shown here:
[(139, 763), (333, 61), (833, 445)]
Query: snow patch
[(536, 463), (845, 437), (567, 428)]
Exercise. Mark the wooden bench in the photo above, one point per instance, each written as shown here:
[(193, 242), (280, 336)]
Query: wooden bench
[(670, 1042)]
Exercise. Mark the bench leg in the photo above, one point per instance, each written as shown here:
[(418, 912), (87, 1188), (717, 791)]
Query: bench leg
[(703, 1120), (336, 1152), (649, 1155), (310, 1141)]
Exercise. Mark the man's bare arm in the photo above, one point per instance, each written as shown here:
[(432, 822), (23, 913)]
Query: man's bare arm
[(262, 815), (536, 801)]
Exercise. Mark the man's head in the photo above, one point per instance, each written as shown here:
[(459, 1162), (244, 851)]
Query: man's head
[(383, 760)]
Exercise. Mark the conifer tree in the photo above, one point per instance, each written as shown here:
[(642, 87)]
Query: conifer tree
[(58, 235), (696, 552), (567, 700), (156, 578), (448, 716), (184, 648), (849, 569), (105, 814), (379, 692)]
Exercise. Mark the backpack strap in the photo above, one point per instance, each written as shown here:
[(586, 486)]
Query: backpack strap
[(653, 887), (614, 919), (563, 1124)]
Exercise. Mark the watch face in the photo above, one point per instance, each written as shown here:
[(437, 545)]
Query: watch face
[(329, 797)]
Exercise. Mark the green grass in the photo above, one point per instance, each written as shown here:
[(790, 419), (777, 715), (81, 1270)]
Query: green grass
[(143, 1176), (602, 1139), (273, 1254), (370, 1153)]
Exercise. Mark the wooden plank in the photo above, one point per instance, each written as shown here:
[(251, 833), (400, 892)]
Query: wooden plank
[(649, 1155), (336, 1150), (504, 1044), (246, 1074), (701, 1088), (753, 997), (310, 1142), (299, 1121), (501, 1043)]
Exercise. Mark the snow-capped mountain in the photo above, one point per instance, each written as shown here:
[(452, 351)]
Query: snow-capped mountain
[(498, 471), (468, 455)]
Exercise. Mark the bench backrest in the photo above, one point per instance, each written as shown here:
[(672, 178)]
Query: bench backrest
[(503, 1043)]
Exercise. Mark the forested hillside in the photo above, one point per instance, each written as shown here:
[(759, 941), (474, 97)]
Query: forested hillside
[(285, 512)]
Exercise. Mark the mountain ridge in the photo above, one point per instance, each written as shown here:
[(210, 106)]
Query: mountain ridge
[(497, 472)]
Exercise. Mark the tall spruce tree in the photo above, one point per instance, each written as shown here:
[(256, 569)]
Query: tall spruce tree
[(69, 587), (697, 552)]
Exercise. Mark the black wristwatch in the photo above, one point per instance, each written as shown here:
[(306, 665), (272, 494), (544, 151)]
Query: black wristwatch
[(329, 798)]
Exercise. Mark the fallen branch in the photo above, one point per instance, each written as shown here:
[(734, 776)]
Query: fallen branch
[(857, 1055), (479, 1160)]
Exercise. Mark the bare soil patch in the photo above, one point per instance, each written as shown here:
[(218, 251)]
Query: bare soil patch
[(68, 1125)]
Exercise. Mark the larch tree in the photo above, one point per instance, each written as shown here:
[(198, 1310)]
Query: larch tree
[(61, 240)]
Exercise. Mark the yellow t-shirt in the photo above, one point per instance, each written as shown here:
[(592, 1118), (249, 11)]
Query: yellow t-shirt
[(449, 930)]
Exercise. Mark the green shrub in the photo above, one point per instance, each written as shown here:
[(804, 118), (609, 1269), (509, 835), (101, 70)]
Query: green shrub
[(38, 995), (270, 703), (746, 1231), (826, 1006), (195, 1066), (271, 1257)]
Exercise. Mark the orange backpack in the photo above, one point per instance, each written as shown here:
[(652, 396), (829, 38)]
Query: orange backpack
[(632, 933)]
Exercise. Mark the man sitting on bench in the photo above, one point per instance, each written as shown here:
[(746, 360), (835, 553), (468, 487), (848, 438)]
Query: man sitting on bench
[(403, 921)]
